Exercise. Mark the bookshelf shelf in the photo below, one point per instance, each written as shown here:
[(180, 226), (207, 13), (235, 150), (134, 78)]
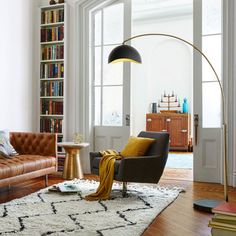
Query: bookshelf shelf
[(52, 24), (53, 71), (56, 6), (52, 97), (53, 115), (49, 61), (51, 79), (52, 42)]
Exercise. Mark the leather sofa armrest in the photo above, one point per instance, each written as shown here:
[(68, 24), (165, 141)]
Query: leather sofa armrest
[(44, 144), (145, 168)]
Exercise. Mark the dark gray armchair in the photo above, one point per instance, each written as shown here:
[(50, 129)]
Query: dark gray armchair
[(144, 169)]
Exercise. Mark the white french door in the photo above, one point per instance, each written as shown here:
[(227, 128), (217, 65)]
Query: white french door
[(207, 97), (110, 82)]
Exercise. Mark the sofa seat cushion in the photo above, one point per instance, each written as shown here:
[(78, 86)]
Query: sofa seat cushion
[(96, 161), (23, 164)]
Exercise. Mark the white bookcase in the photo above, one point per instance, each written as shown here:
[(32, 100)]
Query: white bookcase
[(53, 71)]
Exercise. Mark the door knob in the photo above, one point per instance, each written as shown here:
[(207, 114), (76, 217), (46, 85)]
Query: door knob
[(127, 120)]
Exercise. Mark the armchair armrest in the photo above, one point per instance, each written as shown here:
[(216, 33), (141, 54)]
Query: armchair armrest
[(92, 155), (44, 144), (146, 169)]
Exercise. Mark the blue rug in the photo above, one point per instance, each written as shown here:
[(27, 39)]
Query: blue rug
[(180, 160)]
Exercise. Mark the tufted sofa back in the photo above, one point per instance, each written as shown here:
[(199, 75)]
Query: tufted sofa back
[(43, 144)]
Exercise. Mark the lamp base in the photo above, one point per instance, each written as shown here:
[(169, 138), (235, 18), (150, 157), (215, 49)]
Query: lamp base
[(206, 205)]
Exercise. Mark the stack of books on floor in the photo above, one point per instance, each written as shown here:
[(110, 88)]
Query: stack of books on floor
[(223, 223), (65, 188)]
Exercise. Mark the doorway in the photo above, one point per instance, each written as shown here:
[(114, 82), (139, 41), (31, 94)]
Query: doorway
[(166, 75), (178, 68)]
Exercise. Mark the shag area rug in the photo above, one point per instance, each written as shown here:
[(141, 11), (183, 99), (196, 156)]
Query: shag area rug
[(51, 213)]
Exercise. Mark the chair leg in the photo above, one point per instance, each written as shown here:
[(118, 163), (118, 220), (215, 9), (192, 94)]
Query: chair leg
[(124, 190), (46, 180)]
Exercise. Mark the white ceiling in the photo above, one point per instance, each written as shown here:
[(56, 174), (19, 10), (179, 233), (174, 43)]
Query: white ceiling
[(159, 9)]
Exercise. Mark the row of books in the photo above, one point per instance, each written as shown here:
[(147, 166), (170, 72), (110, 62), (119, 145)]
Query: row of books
[(52, 16), (61, 161), (59, 140), (52, 34), (52, 70), (52, 52), (223, 223), (51, 125), (49, 107), (51, 88)]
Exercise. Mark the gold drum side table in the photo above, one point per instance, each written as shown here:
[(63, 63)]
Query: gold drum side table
[(72, 167)]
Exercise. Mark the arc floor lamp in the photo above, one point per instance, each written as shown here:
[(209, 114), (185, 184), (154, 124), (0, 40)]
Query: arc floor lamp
[(127, 53)]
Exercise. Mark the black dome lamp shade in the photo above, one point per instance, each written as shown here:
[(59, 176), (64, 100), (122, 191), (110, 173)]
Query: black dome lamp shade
[(124, 53)]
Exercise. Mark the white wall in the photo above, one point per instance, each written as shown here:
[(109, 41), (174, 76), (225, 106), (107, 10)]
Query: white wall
[(16, 63), (166, 66)]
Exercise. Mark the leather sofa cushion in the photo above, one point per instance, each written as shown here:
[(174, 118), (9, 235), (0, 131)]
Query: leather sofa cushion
[(43, 144), (23, 164)]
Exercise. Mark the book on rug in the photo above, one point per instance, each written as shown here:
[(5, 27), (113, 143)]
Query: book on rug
[(68, 187), (54, 188), (65, 188)]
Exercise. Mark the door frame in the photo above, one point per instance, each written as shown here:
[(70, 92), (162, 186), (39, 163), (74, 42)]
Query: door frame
[(82, 101), (112, 136)]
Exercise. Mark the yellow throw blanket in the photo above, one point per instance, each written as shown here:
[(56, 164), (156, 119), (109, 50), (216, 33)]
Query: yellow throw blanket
[(106, 174)]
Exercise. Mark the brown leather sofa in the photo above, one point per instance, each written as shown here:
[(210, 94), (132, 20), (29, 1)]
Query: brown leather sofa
[(37, 157)]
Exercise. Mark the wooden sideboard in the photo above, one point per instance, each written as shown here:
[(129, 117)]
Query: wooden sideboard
[(176, 124)]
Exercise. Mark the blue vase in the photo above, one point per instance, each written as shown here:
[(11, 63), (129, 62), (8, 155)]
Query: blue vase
[(185, 106)]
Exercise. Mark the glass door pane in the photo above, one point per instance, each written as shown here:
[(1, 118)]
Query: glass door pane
[(211, 105), (112, 106), (112, 73), (113, 23)]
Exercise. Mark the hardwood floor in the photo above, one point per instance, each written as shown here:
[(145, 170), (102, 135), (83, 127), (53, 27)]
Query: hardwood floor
[(178, 219)]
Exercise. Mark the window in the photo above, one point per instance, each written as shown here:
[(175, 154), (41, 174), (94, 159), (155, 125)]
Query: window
[(108, 78), (212, 47)]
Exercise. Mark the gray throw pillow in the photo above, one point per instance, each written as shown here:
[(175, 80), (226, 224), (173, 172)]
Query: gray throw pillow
[(6, 145), (3, 152)]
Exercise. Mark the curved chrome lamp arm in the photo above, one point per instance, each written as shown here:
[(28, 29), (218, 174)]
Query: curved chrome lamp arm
[(224, 126)]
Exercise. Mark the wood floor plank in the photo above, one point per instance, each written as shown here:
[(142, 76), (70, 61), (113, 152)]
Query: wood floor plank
[(178, 219)]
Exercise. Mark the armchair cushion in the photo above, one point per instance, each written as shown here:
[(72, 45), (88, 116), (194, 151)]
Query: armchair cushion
[(136, 146)]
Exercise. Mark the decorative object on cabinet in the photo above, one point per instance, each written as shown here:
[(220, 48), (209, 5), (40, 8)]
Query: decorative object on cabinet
[(185, 106), (52, 2), (127, 53), (177, 125), (53, 73), (169, 102), (154, 107)]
